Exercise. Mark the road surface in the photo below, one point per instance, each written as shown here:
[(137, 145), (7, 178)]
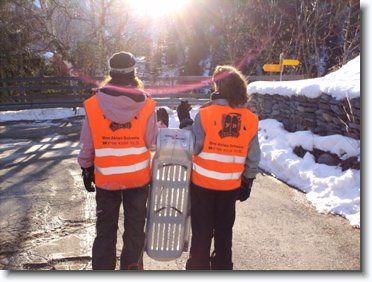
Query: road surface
[(48, 220)]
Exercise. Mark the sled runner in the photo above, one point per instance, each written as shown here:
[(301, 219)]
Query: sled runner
[(168, 218)]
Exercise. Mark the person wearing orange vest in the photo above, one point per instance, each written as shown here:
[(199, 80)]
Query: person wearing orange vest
[(225, 163), (118, 132)]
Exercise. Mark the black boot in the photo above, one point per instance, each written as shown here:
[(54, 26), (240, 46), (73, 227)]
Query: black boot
[(193, 264), (220, 263)]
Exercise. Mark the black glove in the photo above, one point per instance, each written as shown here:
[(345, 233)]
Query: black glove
[(245, 189), (183, 110), (88, 178), (163, 116), (183, 113)]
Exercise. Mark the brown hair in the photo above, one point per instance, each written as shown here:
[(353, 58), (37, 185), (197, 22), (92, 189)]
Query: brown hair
[(231, 85), (124, 81)]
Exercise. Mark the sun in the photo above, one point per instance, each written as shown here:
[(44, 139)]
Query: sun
[(157, 8)]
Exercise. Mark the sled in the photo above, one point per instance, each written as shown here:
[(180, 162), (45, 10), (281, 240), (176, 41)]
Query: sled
[(168, 218)]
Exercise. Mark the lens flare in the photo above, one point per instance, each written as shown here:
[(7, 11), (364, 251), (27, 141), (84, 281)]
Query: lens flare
[(157, 8)]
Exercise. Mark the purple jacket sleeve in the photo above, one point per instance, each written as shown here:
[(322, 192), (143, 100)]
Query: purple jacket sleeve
[(86, 155), (152, 132)]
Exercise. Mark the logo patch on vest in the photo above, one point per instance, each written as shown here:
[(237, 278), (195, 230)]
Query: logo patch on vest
[(116, 126), (231, 125)]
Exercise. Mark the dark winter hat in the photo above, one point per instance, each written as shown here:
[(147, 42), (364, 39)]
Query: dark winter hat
[(122, 63)]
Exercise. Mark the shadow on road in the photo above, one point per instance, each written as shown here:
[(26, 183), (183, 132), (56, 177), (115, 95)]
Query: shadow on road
[(36, 164)]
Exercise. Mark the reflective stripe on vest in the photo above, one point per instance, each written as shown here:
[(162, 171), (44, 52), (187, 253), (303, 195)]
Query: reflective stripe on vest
[(215, 174), (123, 169), (222, 158), (121, 157), (221, 162), (105, 152)]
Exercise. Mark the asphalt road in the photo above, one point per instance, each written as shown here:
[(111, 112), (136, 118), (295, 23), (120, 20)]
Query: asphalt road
[(48, 220)]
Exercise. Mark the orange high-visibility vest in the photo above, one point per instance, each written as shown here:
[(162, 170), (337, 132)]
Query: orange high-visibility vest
[(228, 132), (122, 159)]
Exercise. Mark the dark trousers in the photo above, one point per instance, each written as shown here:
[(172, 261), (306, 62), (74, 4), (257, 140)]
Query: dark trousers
[(104, 246), (212, 216)]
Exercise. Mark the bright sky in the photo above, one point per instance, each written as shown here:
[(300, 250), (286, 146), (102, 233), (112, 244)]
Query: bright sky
[(158, 8)]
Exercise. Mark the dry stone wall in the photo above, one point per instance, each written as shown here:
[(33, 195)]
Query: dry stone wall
[(323, 115)]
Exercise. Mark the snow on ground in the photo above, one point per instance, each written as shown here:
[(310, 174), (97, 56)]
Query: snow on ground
[(41, 114), (327, 187)]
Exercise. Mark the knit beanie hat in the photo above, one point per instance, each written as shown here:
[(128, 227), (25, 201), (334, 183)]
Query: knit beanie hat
[(122, 63)]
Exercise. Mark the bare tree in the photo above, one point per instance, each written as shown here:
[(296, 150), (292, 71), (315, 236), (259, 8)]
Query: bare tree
[(321, 34)]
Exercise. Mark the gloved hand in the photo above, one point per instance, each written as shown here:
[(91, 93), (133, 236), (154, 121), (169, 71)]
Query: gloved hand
[(245, 189), (183, 113), (163, 116), (88, 178), (183, 110)]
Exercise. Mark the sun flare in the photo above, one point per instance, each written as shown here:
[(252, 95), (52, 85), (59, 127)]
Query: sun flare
[(158, 8)]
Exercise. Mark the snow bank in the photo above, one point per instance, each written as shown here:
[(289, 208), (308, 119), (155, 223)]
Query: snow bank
[(343, 83), (328, 188)]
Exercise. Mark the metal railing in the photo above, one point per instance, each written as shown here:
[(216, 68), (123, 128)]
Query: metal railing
[(51, 92)]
